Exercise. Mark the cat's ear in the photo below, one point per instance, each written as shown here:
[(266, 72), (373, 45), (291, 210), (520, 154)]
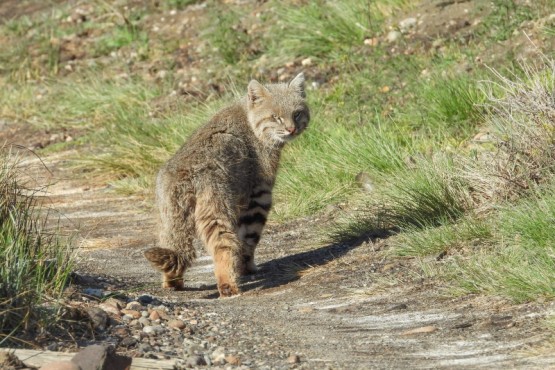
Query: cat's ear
[(298, 84), (256, 92)]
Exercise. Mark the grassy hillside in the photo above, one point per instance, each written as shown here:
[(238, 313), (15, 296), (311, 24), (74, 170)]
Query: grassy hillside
[(433, 122)]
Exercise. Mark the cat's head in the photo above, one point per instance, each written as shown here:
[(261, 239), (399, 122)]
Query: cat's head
[(278, 113)]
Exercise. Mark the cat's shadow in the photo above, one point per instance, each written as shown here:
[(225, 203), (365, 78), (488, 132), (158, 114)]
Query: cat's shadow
[(284, 270)]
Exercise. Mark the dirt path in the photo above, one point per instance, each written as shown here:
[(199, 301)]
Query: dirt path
[(335, 306)]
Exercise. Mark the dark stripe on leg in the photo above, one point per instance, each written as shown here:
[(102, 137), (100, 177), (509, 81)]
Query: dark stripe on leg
[(254, 236), (255, 204), (258, 218), (260, 193)]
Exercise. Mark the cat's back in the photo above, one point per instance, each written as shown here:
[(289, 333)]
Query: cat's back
[(225, 141)]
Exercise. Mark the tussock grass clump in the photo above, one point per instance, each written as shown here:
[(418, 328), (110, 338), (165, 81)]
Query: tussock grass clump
[(453, 105), (425, 194), (34, 262)]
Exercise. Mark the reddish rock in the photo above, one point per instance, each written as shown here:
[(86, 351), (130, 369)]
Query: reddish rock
[(154, 315), (176, 324), (233, 360), (132, 313)]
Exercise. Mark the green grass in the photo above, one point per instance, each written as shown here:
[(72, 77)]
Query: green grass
[(119, 37), (453, 105), (469, 232), (35, 262), (228, 36), (520, 263), (327, 29), (506, 16)]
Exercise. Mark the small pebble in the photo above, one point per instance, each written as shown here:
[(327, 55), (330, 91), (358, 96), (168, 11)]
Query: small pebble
[(128, 342), (133, 305), (195, 360), (176, 324), (293, 359), (154, 315), (133, 313)]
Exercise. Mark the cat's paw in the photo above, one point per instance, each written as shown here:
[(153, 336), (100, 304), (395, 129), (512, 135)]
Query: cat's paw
[(228, 290)]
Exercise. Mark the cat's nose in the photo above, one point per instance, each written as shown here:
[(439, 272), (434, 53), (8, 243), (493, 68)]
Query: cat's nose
[(292, 130)]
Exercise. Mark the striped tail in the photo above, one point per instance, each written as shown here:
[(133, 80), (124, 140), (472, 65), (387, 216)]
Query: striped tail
[(170, 263)]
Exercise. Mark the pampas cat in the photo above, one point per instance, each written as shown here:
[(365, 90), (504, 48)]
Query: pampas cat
[(218, 186)]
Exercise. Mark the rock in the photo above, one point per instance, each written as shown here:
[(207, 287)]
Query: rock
[(91, 357), (99, 293), (100, 357), (133, 305), (153, 329), (161, 311), (306, 62), (421, 330), (145, 347), (52, 347), (149, 329), (60, 365), (145, 299), (121, 331), (233, 360), (144, 321), (133, 313), (128, 342), (176, 324), (218, 356), (194, 361), (393, 36), (371, 41), (293, 359), (364, 182), (154, 315), (109, 309), (117, 303), (99, 318), (407, 25)]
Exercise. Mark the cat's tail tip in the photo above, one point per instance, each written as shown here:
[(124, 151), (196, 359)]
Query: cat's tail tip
[(164, 259)]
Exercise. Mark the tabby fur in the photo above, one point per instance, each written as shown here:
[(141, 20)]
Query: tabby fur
[(218, 186)]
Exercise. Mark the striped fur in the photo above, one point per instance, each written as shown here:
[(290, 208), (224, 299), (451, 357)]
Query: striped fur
[(218, 186)]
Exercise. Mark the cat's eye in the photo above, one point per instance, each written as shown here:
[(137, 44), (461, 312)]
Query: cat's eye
[(297, 116)]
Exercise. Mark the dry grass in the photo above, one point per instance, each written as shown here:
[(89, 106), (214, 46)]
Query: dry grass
[(35, 261)]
